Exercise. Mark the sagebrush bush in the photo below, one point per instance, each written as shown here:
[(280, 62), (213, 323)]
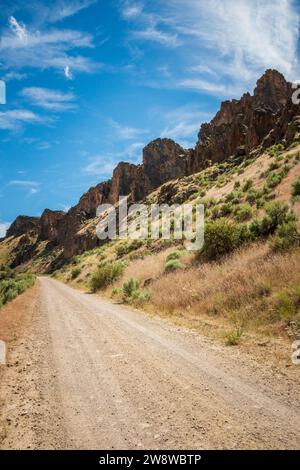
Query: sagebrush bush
[(12, 285), (133, 294), (126, 248), (222, 236), (75, 273), (286, 236), (285, 306), (243, 212), (296, 188), (174, 255), (105, 275), (248, 185), (277, 213), (173, 265)]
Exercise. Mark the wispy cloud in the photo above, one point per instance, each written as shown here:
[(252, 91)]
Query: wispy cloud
[(183, 124), (124, 132), (224, 46), (47, 47), (53, 100), (15, 118), (31, 187), (102, 165), (64, 9)]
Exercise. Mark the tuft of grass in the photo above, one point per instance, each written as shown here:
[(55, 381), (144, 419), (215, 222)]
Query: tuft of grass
[(233, 337)]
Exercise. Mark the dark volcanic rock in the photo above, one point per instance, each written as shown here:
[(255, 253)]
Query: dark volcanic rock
[(243, 124), (49, 223), (23, 224)]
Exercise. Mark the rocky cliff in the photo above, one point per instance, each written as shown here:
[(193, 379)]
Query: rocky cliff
[(262, 119), (241, 125), (23, 224)]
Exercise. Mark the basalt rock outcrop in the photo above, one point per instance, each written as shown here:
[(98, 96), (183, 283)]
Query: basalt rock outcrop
[(241, 125), (49, 224), (23, 224), (259, 120)]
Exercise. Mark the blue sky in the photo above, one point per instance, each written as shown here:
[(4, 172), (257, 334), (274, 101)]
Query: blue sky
[(89, 83)]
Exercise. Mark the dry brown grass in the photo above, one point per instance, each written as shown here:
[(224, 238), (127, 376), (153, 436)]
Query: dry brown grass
[(241, 289)]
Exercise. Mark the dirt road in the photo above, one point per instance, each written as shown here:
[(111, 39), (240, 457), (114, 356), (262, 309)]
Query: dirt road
[(91, 374)]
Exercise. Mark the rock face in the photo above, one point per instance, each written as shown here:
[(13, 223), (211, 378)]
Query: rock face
[(49, 223), (22, 225), (262, 119), (163, 160), (241, 125)]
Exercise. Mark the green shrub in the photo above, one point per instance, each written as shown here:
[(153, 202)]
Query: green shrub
[(15, 285), (248, 185), (253, 195), (223, 236), (130, 287), (133, 294), (286, 236), (274, 166), (126, 248), (174, 255), (285, 306), (105, 275), (234, 337), (75, 273), (296, 188), (243, 212), (278, 213), (173, 265), (273, 180)]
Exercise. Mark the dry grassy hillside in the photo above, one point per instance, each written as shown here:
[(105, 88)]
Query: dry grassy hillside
[(243, 292), (242, 287)]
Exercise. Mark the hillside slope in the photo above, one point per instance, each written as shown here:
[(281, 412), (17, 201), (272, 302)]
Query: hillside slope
[(245, 170)]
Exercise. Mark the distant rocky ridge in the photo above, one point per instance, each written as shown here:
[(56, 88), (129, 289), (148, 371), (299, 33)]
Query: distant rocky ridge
[(238, 128)]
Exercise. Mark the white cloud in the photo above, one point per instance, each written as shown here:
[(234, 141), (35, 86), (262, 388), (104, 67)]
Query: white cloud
[(13, 76), (103, 165), (100, 165), (22, 47), (224, 46), (18, 28), (3, 228), (155, 35), (125, 132), (64, 9), (53, 100), (67, 72), (24, 183), (183, 124), (14, 119), (32, 187), (131, 10)]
